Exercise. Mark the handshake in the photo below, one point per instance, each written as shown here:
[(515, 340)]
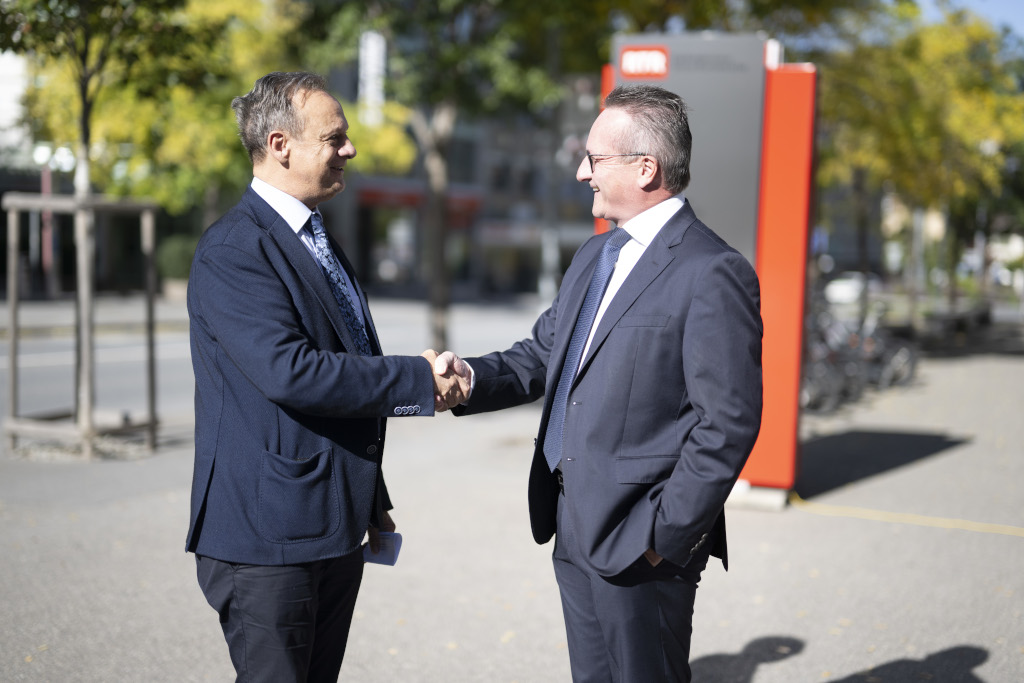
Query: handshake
[(452, 379)]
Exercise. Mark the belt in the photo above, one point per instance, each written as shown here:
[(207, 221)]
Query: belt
[(561, 481)]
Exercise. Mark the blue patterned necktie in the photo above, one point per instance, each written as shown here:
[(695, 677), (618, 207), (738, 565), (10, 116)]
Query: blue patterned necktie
[(580, 333), (332, 269)]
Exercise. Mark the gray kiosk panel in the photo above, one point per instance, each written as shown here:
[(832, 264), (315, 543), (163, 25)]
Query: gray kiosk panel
[(721, 77)]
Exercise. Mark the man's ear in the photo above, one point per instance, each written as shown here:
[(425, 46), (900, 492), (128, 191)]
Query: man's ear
[(649, 176), (278, 147)]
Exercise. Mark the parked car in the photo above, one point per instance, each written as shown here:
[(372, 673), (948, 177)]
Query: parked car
[(846, 287)]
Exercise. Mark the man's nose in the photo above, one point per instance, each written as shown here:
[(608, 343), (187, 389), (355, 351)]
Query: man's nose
[(583, 172)]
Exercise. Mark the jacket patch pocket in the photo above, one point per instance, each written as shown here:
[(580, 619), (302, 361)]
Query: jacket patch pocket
[(644, 469), (643, 321), (298, 499)]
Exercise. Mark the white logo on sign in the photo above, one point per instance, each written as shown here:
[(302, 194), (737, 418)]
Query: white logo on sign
[(653, 62)]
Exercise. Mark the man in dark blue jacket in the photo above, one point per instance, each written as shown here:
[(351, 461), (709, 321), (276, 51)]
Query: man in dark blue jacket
[(649, 360), (292, 393)]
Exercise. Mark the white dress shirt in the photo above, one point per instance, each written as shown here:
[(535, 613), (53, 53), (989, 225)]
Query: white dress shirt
[(296, 215), (642, 229)]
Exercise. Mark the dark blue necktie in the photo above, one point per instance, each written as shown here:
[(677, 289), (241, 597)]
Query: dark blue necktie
[(332, 269), (580, 333)]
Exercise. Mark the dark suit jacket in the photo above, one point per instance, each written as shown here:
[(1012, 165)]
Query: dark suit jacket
[(666, 406), (289, 424)]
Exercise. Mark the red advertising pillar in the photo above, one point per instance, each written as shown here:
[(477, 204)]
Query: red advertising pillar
[(787, 159), (753, 121)]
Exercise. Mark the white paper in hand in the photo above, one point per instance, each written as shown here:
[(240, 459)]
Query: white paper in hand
[(390, 544)]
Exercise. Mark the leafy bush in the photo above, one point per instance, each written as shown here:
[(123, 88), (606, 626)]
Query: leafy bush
[(174, 256)]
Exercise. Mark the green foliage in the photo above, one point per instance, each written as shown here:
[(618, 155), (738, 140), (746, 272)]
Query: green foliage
[(967, 285), (162, 125), (92, 32), (493, 55), (930, 111), (465, 58), (174, 256), (157, 76), (453, 51), (89, 37), (384, 149)]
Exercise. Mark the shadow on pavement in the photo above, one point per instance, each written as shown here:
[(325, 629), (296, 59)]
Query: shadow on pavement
[(740, 667), (829, 462), (954, 665), (997, 338)]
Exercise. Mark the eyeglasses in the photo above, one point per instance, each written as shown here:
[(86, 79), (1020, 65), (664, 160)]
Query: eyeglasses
[(593, 158)]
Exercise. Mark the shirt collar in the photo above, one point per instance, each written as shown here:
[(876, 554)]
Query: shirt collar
[(293, 211), (644, 226)]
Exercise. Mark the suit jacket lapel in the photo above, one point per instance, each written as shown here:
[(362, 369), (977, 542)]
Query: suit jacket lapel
[(303, 263), (655, 259), (569, 311)]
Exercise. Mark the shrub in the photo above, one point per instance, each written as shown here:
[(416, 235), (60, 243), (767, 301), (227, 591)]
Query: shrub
[(174, 256)]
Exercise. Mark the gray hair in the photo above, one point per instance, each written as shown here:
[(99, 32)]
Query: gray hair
[(660, 129), (268, 107)]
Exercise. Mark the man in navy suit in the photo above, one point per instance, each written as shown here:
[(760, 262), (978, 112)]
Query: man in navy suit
[(652, 379), (292, 393)]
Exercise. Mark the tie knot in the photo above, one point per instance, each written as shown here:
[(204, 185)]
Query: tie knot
[(616, 240), (317, 222)]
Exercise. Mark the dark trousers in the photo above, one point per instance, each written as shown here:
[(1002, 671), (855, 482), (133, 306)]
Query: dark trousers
[(284, 624), (629, 628)]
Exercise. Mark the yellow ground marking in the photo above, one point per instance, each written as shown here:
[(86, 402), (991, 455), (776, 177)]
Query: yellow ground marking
[(902, 518)]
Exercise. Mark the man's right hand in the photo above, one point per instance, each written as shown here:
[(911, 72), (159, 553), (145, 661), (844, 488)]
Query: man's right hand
[(452, 379)]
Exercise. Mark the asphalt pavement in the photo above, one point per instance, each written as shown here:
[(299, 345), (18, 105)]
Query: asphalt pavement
[(900, 557)]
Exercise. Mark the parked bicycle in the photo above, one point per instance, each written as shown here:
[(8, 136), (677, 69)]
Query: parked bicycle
[(841, 358)]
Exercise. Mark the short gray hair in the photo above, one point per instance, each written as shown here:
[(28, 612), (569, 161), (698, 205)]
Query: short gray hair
[(660, 129), (268, 107)]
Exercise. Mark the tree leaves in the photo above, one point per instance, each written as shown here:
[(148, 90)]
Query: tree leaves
[(931, 111)]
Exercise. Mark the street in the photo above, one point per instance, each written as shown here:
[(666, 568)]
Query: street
[(899, 558)]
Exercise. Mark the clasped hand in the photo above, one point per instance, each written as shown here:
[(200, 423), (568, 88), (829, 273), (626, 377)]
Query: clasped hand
[(452, 379)]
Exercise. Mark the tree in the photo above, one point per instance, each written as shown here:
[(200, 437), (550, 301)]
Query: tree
[(455, 58), (931, 111), (446, 57), (90, 36), (163, 127)]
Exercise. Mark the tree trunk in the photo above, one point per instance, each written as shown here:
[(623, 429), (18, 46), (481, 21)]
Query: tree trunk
[(435, 241), (85, 247), (953, 256), (433, 137), (861, 219)]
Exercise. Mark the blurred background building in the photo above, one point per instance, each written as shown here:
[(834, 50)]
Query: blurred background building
[(514, 213)]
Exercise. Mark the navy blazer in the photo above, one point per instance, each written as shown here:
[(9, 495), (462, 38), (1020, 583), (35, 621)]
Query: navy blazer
[(666, 406), (289, 425)]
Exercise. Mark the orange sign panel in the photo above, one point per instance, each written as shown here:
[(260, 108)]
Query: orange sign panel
[(787, 158)]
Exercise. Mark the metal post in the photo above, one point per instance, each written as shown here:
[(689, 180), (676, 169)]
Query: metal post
[(83, 428), (50, 255), (84, 240), (148, 248), (12, 327)]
